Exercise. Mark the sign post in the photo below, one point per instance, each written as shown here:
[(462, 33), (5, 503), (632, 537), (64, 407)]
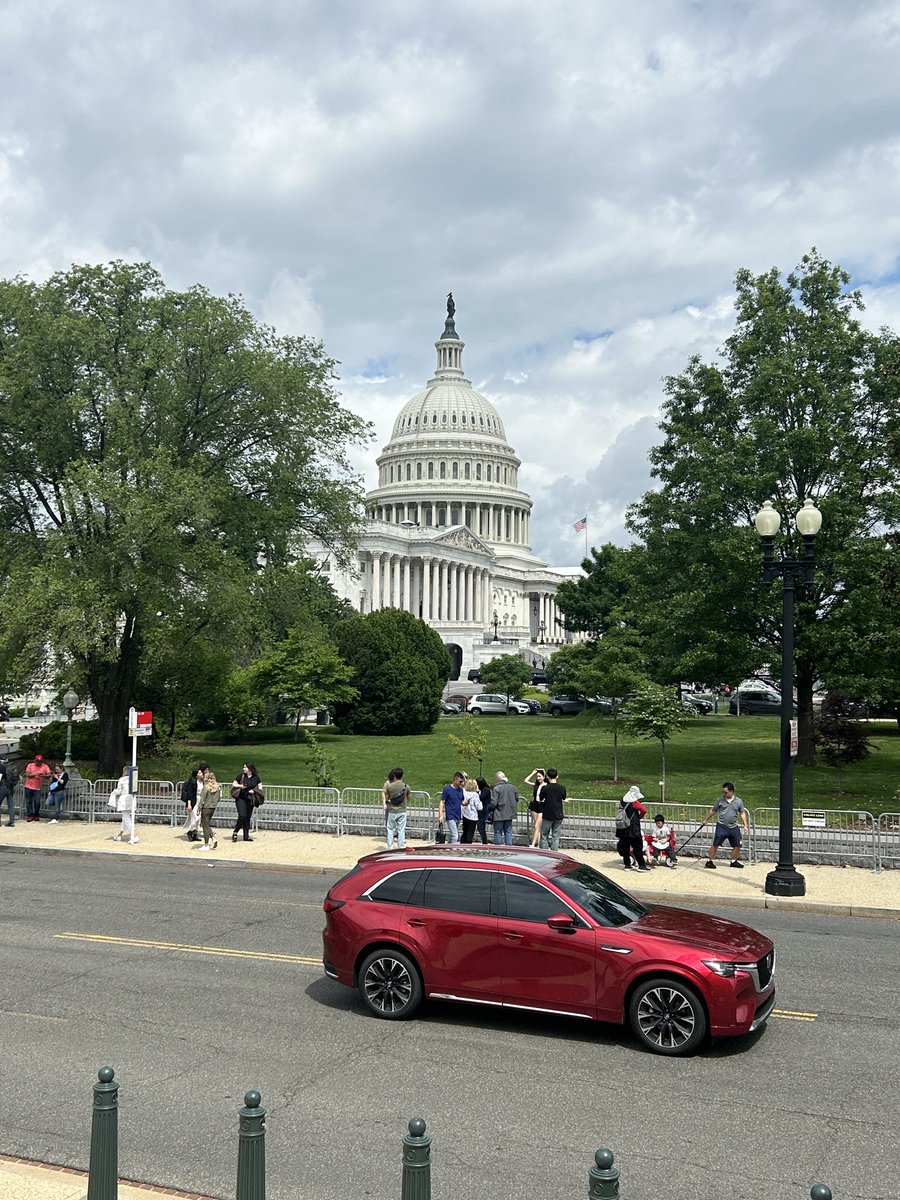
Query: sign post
[(140, 724)]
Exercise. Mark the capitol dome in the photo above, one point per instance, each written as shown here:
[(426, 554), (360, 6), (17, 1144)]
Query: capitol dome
[(448, 461)]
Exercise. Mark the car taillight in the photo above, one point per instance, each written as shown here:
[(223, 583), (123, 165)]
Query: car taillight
[(331, 905)]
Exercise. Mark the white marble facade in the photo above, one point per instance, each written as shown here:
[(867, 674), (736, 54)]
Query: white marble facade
[(447, 530)]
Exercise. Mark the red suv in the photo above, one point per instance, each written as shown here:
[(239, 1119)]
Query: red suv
[(533, 929)]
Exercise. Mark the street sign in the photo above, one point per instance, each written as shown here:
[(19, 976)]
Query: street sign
[(812, 820), (795, 738), (140, 724)]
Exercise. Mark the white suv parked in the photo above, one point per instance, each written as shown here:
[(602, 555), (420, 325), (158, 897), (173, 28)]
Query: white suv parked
[(490, 702)]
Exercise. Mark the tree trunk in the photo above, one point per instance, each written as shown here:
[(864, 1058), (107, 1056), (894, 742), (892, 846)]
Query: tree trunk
[(805, 677), (112, 688)]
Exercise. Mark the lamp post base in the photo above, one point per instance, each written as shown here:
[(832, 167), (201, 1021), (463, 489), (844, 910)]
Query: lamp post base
[(785, 881)]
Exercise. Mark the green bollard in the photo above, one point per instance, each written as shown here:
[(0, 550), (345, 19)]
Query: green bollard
[(103, 1170), (603, 1177), (819, 1191), (416, 1179), (251, 1172)]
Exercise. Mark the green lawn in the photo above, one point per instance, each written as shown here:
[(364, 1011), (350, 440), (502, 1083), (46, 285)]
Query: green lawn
[(709, 751)]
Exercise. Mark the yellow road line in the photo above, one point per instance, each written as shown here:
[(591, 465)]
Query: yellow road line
[(219, 951), (787, 1015)]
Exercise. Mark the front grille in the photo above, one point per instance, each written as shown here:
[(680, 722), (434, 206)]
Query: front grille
[(764, 969)]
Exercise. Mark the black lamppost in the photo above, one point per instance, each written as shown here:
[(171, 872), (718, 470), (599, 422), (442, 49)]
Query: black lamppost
[(495, 621), (70, 702), (786, 880), (542, 627)]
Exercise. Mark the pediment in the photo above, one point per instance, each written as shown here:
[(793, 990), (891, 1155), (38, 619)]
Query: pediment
[(464, 539)]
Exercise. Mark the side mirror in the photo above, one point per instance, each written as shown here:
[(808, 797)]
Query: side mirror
[(563, 922)]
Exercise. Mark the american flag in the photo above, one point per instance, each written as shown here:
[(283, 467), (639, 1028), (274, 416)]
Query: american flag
[(579, 525)]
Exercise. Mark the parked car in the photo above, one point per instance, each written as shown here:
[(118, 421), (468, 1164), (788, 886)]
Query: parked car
[(559, 706), (539, 931), (489, 703), (697, 704), (756, 702), (534, 706), (537, 678), (474, 676), (449, 709)]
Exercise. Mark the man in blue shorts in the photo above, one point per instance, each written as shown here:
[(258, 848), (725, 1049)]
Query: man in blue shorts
[(730, 814)]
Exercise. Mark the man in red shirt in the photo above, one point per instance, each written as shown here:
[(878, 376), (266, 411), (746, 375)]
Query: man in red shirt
[(37, 773)]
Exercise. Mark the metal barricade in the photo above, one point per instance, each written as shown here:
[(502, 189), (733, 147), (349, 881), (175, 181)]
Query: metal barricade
[(889, 840), (294, 807), (591, 824), (157, 802), (362, 812), (838, 836)]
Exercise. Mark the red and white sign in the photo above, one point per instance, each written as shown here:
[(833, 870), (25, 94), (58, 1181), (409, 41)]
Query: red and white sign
[(140, 724), (795, 738)]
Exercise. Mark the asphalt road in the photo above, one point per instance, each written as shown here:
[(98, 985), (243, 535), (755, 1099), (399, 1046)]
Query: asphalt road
[(516, 1103)]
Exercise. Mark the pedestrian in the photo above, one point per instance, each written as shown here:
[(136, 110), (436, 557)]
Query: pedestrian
[(190, 798), (210, 793), (120, 799), (450, 808), (661, 841), (630, 844), (396, 797), (484, 815), (245, 790), (9, 778), (36, 773), (553, 797), (471, 810), (536, 778), (57, 794), (504, 806), (730, 814)]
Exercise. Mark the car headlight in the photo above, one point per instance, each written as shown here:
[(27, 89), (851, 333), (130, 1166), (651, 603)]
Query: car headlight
[(727, 970)]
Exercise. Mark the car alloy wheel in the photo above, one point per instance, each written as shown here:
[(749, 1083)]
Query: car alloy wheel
[(476, 712), (389, 984), (667, 1016)]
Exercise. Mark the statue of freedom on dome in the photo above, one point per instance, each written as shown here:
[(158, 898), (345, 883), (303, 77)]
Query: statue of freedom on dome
[(451, 307)]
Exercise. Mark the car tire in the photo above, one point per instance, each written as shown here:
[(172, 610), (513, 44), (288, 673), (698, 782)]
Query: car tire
[(476, 712), (667, 1016), (389, 984), (555, 712)]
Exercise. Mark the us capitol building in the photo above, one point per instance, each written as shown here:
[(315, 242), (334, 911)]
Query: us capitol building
[(447, 530)]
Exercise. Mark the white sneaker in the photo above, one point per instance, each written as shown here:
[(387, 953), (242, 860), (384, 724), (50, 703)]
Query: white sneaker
[(117, 837), (134, 840), (54, 821)]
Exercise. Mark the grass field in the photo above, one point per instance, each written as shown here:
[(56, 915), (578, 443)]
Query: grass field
[(709, 751)]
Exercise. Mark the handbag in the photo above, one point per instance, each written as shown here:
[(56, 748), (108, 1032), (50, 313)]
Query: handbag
[(258, 795), (236, 790), (441, 836)]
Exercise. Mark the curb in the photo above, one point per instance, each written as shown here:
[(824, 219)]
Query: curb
[(228, 864)]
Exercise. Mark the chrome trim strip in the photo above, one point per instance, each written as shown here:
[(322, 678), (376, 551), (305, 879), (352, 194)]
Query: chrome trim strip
[(763, 1013), (557, 1012)]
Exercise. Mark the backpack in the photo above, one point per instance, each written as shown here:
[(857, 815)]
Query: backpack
[(623, 819), (12, 776)]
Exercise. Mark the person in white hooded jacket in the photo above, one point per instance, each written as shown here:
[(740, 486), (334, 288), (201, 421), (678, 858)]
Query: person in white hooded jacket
[(120, 800)]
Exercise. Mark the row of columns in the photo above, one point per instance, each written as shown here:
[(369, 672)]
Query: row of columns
[(549, 614), (493, 522), (434, 589)]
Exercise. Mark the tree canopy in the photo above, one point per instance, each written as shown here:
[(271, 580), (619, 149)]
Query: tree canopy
[(400, 666), (163, 451)]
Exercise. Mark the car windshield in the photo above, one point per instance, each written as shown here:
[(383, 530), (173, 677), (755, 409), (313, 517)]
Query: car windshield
[(599, 896)]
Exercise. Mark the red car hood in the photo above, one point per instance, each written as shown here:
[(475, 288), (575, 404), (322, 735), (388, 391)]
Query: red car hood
[(727, 939)]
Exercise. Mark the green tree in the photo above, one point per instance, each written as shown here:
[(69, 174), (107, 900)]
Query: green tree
[(656, 712), (165, 446), (303, 671), (840, 736), (507, 674), (400, 666), (471, 742), (804, 404)]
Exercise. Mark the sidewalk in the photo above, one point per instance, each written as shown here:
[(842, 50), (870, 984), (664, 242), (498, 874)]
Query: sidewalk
[(840, 891)]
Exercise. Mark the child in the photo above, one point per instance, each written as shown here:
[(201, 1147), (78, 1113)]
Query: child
[(661, 840)]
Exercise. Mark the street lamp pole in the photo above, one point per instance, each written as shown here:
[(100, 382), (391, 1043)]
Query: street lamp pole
[(786, 880), (542, 627), (495, 621), (70, 703)]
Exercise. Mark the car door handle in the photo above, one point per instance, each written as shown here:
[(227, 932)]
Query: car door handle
[(616, 949), (511, 936), (415, 923)]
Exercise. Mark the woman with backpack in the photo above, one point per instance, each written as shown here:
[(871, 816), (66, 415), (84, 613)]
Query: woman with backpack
[(630, 839), (209, 798), (190, 798), (9, 779)]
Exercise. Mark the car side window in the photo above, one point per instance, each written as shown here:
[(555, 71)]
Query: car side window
[(463, 891), (396, 889), (527, 900)]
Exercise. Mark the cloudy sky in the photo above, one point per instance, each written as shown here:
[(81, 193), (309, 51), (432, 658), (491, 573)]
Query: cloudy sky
[(586, 176)]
